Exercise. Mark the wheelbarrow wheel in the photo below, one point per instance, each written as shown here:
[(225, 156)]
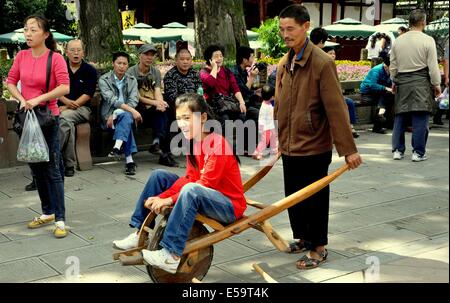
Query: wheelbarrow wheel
[(197, 269)]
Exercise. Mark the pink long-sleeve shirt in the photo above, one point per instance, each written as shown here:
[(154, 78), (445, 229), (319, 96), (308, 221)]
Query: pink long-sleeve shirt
[(32, 74), (224, 84)]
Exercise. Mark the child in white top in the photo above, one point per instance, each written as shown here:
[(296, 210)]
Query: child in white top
[(266, 124)]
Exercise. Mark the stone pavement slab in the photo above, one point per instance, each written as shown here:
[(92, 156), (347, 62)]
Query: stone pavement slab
[(111, 273), (87, 257), (10, 216), (3, 238), (36, 246), (429, 224), (103, 233), (25, 270)]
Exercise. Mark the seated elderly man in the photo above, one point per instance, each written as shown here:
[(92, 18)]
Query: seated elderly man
[(119, 98), (75, 106)]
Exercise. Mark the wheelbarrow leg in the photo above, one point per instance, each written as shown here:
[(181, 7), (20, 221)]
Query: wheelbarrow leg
[(277, 240)]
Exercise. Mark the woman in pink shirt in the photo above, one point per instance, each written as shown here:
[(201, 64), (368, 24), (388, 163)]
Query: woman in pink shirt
[(30, 68), (217, 79)]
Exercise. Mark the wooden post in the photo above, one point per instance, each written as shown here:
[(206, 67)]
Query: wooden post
[(378, 12), (262, 10), (360, 10), (321, 14), (333, 11)]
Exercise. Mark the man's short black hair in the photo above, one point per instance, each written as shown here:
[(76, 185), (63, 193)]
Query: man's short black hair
[(120, 54), (297, 12), (182, 50), (318, 35), (416, 17), (243, 52), (210, 50)]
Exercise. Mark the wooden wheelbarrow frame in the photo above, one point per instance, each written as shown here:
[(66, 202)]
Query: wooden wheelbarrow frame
[(257, 221)]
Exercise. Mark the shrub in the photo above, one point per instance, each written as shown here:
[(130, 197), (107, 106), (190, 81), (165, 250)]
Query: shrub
[(273, 44)]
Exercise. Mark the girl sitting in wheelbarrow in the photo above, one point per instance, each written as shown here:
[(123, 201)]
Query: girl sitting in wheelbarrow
[(212, 187)]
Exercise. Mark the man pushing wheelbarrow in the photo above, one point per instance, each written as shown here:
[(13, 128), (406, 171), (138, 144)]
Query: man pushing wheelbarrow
[(312, 115)]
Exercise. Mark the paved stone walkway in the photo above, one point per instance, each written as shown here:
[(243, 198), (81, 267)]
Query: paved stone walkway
[(388, 223)]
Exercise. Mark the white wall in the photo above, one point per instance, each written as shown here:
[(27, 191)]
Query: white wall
[(350, 12)]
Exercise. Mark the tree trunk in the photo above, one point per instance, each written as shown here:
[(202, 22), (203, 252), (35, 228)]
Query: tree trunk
[(220, 22), (100, 29)]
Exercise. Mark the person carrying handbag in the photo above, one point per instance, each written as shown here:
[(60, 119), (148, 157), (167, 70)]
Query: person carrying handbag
[(220, 86), (30, 68)]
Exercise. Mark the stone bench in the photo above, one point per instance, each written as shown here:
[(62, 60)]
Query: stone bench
[(8, 149), (364, 111)]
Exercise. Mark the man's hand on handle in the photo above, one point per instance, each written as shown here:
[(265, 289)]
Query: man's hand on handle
[(353, 160)]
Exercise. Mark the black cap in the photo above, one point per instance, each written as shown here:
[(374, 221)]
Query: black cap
[(146, 48)]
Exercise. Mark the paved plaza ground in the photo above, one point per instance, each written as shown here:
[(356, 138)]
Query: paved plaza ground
[(394, 214)]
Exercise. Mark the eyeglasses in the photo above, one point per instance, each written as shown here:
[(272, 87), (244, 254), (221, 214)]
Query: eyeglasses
[(75, 50)]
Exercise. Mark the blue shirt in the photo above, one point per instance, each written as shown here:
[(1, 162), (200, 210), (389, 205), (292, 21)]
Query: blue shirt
[(119, 84), (375, 81)]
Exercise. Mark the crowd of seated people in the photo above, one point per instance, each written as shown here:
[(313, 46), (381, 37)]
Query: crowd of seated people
[(139, 94)]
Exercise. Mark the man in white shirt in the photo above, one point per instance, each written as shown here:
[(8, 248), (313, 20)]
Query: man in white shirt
[(416, 76)]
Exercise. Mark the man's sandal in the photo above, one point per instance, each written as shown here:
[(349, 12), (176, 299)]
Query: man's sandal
[(306, 262), (296, 247)]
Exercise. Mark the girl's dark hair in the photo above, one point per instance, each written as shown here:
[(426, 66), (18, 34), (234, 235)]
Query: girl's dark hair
[(43, 23), (210, 50), (196, 104), (403, 29)]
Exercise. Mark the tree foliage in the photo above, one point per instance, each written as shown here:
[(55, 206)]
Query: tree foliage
[(55, 11), (269, 35), (14, 12)]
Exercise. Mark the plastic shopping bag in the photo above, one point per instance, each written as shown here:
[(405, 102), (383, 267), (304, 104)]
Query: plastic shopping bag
[(442, 100), (32, 146)]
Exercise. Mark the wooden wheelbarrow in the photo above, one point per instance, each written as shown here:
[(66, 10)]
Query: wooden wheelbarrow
[(198, 253)]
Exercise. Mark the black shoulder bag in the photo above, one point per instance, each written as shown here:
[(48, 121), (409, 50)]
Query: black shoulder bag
[(43, 113), (221, 104)]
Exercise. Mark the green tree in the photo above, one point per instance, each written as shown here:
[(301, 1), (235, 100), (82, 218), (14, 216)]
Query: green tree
[(15, 12), (269, 35), (100, 29), (55, 11)]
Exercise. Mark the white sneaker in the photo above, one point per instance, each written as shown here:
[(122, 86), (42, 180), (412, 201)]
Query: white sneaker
[(398, 155), (162, 259), (129, 242), (417, 158)]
